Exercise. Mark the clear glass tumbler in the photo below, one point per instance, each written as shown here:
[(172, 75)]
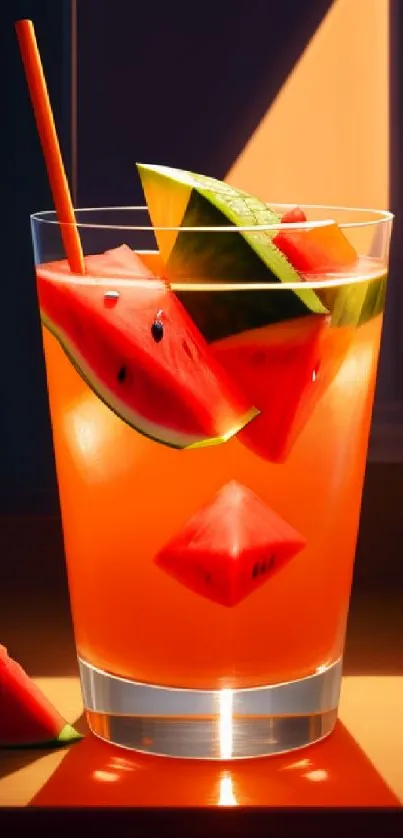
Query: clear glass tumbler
[(210, 441)]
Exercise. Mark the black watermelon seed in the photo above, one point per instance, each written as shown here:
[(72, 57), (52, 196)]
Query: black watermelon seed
[(255, 570), (157, 330), (122, 374)]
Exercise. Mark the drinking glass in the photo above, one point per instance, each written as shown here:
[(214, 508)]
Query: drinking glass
[(210, 439)]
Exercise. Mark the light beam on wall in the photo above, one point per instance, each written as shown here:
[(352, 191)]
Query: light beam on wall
[(325, 138)]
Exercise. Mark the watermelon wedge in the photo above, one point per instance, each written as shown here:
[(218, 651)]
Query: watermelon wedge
[(319, 252), (27, 717), (285, 368), (138, 350), (177, 198), (230, 547), (278, 363), (180, 199)]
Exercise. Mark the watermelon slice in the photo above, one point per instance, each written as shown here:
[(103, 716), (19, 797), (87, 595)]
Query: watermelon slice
[(177, 198), (180, 199), (136, 347), (231, 547), (318, 250), (326, 250), (281, 365), (27, 717), (334, 345)]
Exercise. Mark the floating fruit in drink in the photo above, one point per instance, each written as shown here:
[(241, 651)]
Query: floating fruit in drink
[(320, 252), (138, 350), (238, 254), (279, 365), (231, 547), (180, 199)]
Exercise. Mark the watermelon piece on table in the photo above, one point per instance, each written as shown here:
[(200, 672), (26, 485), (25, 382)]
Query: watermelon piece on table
[(27, 717), (139, 351), (230, 547)]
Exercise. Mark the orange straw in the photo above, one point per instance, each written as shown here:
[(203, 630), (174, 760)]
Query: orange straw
[(50, 144)]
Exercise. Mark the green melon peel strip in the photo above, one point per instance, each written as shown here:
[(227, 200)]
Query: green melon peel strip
[(242, 210)]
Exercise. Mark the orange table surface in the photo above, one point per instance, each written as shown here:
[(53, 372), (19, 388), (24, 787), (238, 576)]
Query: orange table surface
[(360, 764)]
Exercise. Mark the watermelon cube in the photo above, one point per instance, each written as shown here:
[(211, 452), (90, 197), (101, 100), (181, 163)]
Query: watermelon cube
[(231, 547)]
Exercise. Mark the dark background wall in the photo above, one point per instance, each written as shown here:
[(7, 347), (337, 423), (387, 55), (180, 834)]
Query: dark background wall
[(169, 82), (27, 477), (179, 83)]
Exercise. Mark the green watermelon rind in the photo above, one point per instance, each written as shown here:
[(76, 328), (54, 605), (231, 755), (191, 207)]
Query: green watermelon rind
[(157, 433), (356, 303), (348, 304), (242, 210), (67, 736)]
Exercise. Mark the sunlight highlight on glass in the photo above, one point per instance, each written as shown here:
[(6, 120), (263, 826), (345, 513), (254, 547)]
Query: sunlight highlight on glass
[(225, 724)]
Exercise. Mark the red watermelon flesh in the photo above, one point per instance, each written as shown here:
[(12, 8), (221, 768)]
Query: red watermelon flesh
[(119, 262), (316, 250), (278, 367), (334, 345), (230, 547), (27, 717), (171, 389), (293, 216)]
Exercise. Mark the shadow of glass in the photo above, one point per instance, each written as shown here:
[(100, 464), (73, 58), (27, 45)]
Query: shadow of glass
[(335, 772)]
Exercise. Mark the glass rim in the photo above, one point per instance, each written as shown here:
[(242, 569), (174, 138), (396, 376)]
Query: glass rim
[(381, 217)]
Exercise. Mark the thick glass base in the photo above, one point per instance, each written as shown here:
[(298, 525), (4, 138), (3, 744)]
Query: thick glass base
[(218, 724)]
